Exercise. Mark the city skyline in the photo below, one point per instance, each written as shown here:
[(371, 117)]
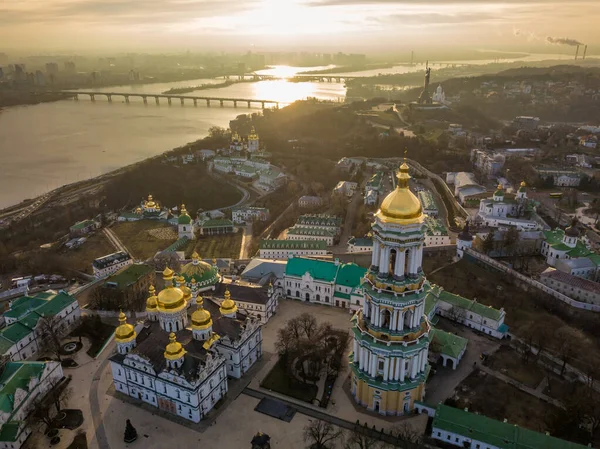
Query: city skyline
[(275, 24)]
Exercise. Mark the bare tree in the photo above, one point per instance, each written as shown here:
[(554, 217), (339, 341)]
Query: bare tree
[(568, 339), (41, 409), (50, 330), (166, 259), (456, 313), (321, 434), (407, 433), (362, 440)]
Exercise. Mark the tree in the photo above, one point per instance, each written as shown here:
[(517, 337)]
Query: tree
[(509, 240), (130, 433), (50, 330), (217, 132), (359, 440), (166, 259), (407, 433), (321, 434), (456, 314), (488, 243), (569, 340), (40, 410)]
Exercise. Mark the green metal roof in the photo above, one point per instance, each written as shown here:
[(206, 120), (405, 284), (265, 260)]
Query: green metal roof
[(10, 431), (216, 223), (184, 219), (56, 304), (341, 295), (17, 375), (495, 433), (18, 310), (447, 343), (306, 230), (82, 224), (15, 332), (470, 305), (319, 269), (350, 275), (129, 275), (427, 200)]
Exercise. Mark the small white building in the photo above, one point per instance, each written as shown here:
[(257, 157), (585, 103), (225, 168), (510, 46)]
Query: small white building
[(324, 282), (436, 233), (111, 263), (360, 245), (320, 221), (244, 215), (506, 210), (345, 188), (310, 202)]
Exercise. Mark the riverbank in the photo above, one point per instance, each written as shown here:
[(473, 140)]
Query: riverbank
[(188, 89), (349, 68), (18, 98)]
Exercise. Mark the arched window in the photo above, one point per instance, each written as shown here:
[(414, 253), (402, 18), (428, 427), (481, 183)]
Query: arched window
[(386, 318), (307, 296), (289, 292), (392, 261), (318, 297), (408, 318), (297, 294)]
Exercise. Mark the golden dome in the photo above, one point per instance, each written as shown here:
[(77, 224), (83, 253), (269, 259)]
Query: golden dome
[(152, 301), (401, 206), (523, 184), (187, 293), (174, 350), (150, 203), (195, 256), (500, 187), (201, 319), (125, 332), (228, 305), (180, 280), (170, 299)]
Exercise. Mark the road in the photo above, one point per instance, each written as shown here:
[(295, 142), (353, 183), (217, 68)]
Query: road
[(114, 240)]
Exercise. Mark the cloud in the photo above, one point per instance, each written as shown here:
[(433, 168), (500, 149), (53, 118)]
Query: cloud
[(119, 11), (438, 19), (437, 2), (563, 41)]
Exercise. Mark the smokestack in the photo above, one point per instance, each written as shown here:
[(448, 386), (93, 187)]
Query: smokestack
[(576, 52), (584, 51)]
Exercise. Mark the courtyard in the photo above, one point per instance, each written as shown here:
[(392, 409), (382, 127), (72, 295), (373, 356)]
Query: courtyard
[(145, 238)]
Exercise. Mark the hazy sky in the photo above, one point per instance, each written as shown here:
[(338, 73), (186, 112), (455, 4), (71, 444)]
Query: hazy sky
[(273, 24)]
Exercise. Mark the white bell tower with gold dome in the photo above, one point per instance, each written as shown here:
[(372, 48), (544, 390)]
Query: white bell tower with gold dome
[(172, 305), (391, 332), (253, 142)]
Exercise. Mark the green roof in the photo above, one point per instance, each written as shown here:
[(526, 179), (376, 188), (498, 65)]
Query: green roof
[(216, 223), (319, 220), (341, 295), (293, 244), (15, 332), (10, 431), (447, 343), (16, 375), (319, 269), (595, 258), (5, 344), (129, 275), (306, 230), (471, 305), (555, 237), (28, 309), (82, 224), (495, 433), (184, 219), (435, 227), (350, 275)]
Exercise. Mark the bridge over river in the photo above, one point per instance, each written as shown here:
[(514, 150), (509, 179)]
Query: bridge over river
[(182, 98)]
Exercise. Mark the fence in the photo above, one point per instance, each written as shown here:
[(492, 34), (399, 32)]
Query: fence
[(13, 292), (536, 284), (114, 314)]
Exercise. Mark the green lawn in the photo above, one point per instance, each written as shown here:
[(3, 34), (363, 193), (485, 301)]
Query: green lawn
[(137, 239), (280, 381), (216, 246)]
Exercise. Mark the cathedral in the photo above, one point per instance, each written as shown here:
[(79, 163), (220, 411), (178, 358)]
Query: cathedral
[(179, 360), (392, 332)]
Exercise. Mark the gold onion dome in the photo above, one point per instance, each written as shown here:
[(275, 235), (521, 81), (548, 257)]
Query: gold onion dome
[(174, 350), (228, 305), (124, 332), (152, 301), (203, 272), (201, 319), (187, 293), (522, 186), (499, 191), (253, 135), (150, 203), (170, 299), (401, 206)]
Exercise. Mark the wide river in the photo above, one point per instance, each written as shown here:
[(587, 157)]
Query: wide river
[(48, 145)]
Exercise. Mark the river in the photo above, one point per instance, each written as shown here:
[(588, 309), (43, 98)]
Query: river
[(51, 144)]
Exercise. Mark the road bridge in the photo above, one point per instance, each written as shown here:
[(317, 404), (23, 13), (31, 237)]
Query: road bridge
[(169, 98)]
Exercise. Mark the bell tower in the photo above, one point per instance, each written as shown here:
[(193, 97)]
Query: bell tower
[(391, 332)]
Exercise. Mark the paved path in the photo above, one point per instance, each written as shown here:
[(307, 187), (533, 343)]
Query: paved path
[(114, 240), (522, 387), (100, 434)]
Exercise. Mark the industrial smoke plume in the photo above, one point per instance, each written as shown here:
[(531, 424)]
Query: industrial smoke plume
[(563, 41)]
